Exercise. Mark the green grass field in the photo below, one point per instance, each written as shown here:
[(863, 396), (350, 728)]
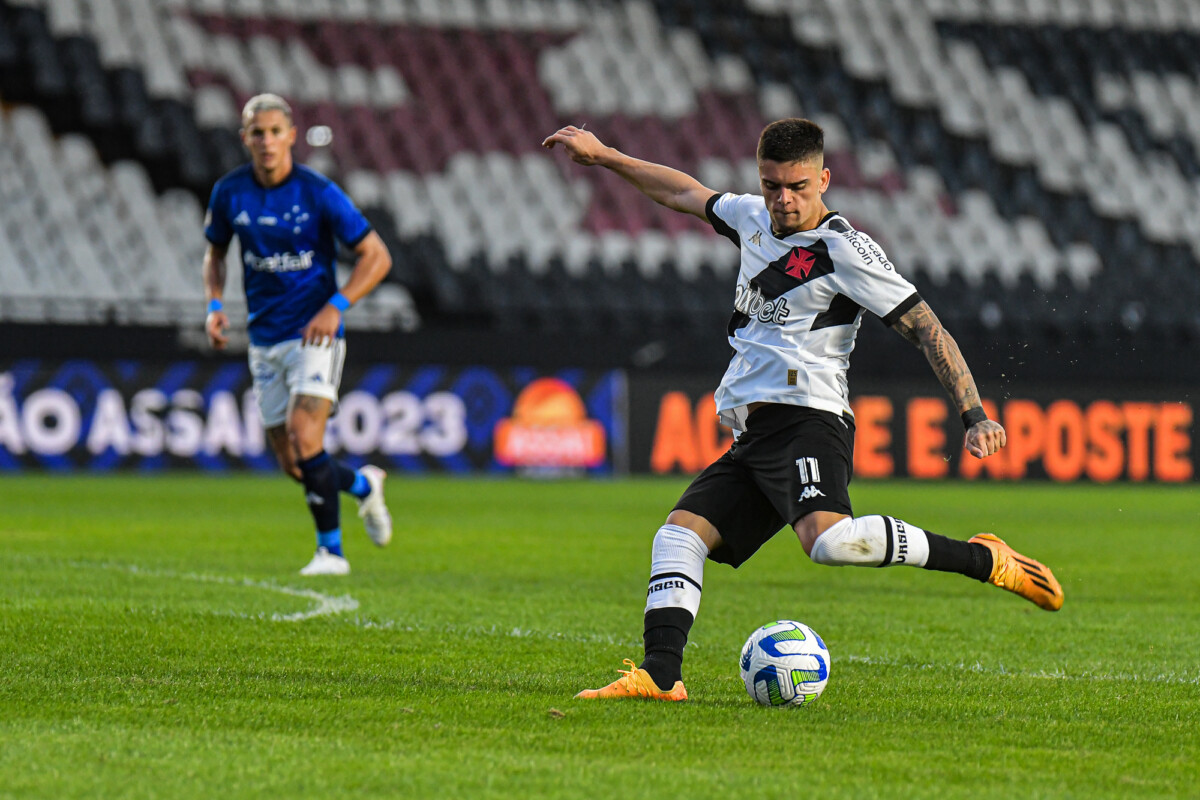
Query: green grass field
[(157, 642)]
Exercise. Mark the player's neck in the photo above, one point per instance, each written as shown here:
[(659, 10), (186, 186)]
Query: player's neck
[(272, 178), (811, 222)]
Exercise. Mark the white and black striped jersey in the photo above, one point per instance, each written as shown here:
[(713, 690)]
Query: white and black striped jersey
[(797, 307)]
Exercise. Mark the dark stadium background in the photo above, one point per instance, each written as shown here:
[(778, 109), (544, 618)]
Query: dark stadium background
[(1035, 171)]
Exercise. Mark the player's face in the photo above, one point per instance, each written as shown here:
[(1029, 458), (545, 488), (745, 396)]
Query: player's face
[(793, 190), (269, 137)]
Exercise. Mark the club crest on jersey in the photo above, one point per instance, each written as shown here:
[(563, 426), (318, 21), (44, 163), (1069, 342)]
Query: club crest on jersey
[(796, 267), (763, 297), (800, 263)]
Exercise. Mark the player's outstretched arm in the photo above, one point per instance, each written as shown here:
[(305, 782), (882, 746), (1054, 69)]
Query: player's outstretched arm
[(214, 289), (372, 266), (922, 327), (669, 187)]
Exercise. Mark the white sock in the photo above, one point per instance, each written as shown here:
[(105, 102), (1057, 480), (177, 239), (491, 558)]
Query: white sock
[(676, 569), (871, 541)]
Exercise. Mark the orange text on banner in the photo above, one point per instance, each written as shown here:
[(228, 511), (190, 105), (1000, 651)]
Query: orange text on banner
[(685, 439), (872, 437), (1101, 442)]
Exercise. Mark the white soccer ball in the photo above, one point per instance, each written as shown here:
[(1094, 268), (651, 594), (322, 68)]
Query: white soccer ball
[(785, 663)]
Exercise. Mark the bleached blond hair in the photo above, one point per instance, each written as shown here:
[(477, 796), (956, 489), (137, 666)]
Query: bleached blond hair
[(265, 102)]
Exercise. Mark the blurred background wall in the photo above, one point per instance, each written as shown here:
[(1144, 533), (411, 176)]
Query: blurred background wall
[(1031, 165)]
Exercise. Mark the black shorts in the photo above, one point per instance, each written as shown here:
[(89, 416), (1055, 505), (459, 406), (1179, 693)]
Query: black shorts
[(790, 461)]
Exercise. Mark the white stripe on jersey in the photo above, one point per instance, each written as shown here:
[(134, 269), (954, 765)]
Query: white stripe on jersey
[(799, 300)]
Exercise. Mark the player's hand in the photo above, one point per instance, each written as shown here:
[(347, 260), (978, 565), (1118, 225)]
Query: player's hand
[(582, 146), (322, 329), (214, 325), (985, 438)]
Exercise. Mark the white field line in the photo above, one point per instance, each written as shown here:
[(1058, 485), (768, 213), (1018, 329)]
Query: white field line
[(327, 605)]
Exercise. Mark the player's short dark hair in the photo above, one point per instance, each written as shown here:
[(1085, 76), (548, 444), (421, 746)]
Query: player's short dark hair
[(791, 139)]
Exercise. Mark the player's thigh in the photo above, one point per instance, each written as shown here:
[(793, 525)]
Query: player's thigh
[(313, 374), (268, 371), (726, 496), (801, 459), (314, 370)]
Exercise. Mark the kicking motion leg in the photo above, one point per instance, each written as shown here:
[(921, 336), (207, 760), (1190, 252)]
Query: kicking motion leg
[(881, 541)]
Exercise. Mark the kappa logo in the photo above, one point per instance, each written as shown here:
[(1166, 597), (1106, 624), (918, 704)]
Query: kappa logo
[(268, 221), (242, 219), (800, 262), (810, 492), (756, 239)]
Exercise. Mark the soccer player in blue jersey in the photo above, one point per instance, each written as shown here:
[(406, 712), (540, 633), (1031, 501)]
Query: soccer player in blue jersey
[(288, 219)]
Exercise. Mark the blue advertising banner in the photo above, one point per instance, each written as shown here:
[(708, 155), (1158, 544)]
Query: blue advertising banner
[(92, 415)]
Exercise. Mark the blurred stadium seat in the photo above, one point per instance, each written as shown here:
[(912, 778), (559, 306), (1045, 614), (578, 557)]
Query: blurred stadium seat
[(1032, 160)]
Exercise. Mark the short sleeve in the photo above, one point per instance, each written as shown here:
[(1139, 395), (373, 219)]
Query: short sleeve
[(347, 222), (217, 228), (867, 277), (727, 212)]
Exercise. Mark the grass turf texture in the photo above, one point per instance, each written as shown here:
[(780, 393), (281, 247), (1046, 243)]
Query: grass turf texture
[(158, 643)]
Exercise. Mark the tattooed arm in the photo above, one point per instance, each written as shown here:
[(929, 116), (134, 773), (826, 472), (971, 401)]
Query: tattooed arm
[(922, 327)]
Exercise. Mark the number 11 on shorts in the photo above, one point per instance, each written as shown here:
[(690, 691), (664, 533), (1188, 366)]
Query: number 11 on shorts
[(809, 472)]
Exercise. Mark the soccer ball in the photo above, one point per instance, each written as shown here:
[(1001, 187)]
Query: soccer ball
[(785, 663)]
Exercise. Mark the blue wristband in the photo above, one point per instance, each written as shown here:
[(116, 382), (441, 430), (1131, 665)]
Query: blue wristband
[(340, 302), (214, 305)]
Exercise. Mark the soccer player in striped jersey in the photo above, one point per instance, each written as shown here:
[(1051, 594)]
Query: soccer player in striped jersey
[(805, 280), (287, 219)]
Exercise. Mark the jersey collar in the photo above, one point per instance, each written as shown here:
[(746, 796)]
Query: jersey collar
[(828, 216), (287, 178)]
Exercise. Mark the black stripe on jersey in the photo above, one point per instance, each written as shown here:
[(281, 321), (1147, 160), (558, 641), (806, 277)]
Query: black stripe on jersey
[(887, 535), (794, 268), (899, 311), (720, 225), (662, 575), (842, 311), (361, 236), (840, 225)]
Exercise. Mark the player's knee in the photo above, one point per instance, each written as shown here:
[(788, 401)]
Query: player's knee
[(305, 440), (698, 525), (810, 527), (850, 542)]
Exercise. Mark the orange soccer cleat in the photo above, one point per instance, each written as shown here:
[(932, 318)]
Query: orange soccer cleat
[(1022, 575), (635, 682)]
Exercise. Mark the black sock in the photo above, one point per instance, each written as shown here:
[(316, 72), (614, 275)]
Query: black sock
[(665, 635), (345, 476), (321, 491), (954, 555)]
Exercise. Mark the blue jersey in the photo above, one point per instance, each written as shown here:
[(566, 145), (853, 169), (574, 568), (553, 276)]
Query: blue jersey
[(287, 235)]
